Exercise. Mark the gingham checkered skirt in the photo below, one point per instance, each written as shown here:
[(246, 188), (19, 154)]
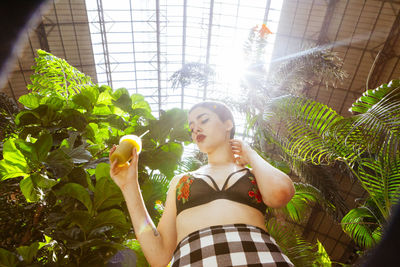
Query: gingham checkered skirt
[(229, 245)]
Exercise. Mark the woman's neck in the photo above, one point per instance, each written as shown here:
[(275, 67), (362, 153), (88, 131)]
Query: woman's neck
[(221, 157)]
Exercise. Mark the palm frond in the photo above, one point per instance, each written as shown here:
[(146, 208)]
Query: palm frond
[(305, 195), (189, 164), (154, 190), (323, 178), (305, 121), (361, 225), (197, 72), (381, 179), (310, 65), (322, 258), (371, 97), (299, 251), (379, 118)]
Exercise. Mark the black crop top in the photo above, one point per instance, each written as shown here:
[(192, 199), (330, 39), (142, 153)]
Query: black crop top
[(191, 191)]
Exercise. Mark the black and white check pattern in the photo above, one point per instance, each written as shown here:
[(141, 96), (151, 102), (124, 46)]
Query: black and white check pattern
[(229, 245)]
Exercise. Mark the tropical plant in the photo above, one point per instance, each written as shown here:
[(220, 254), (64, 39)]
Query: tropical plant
[(367, 143), (55, 167), (282, 225)]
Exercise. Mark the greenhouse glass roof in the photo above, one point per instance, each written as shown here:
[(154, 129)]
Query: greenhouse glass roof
[(138, 45)]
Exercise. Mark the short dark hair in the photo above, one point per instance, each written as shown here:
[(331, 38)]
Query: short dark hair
[(219, 108)]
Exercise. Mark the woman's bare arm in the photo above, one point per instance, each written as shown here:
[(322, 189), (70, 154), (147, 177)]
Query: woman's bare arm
[(275, 186), (159, 243)]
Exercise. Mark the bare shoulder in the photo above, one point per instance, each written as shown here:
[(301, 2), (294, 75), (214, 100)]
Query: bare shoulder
[(174, 181)]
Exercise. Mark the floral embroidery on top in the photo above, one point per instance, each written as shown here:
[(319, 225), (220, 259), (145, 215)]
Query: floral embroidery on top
[(255, 193), (183, 188)]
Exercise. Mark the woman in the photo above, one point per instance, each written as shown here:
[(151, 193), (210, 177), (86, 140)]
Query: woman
[(213, 216)]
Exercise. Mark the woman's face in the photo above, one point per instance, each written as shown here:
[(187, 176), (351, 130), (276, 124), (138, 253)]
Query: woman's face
[(208, 131)]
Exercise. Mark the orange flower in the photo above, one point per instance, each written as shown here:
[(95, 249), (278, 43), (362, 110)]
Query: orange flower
[(264, 31), (183, 188)]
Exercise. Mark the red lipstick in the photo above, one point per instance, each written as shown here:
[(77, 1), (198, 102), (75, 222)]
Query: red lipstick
[(200, 137)]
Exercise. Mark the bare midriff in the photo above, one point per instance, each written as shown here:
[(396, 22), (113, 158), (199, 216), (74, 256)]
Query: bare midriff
[(217, 212)]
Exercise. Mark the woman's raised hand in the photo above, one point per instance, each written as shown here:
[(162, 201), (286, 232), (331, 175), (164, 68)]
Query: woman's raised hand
[(126, 174), (241, 151)]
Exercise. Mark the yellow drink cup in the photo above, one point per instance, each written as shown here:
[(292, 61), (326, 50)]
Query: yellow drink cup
[(124, 150)]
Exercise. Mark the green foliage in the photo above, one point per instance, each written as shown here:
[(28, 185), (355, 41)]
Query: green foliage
[(58, 154), (309, 66), (299, 251), (363, 226), (366, 143), (7, 258), (288, 236), (305, 195), (8, 109), (323, 258)]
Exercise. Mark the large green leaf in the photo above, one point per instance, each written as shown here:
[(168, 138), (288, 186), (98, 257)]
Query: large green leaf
[(78, 154), (26, 148), (163, 158), (60, 162), (27, 117), (80, 176), (138, 102), (82, 218), (78, 192), (106, 193), (73, 118), (113, 217), (42, 147), (83, 101), (29, 190), (7, 258), (32, 186), (35, 152), (31, 100), (13, 163), (42, 181), (104, 98), (28, 252), (123, 100), (54, 100)]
